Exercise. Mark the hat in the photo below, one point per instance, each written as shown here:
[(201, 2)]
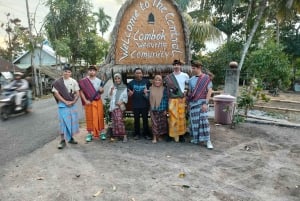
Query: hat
[(176, 61), (92, 67), (67, 67), (18, 73)]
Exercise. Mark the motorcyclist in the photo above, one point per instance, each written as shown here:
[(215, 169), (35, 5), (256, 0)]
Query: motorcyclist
[(21, 86)]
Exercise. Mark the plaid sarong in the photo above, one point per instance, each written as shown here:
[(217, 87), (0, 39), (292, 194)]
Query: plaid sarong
[(118, 126), (199, 124), (159, 123)]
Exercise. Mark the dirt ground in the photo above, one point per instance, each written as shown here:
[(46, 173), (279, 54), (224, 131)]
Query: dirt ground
[(253, 162)]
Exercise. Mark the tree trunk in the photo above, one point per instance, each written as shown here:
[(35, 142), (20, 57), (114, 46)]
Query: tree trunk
[(254, 28)]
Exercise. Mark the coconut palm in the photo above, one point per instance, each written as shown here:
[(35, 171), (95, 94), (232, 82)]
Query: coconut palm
[(103, 20), (199, 21)]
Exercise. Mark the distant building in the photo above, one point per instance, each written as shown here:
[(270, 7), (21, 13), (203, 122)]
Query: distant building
[(6, 72), (45, 62)]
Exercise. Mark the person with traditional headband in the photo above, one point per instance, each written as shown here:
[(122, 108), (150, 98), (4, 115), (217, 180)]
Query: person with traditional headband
[(66, 93), (118, 99), (91, 88), (158, 108), (200, 90), (176, 83)]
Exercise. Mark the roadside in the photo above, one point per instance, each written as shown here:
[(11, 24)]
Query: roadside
[(252, 162)]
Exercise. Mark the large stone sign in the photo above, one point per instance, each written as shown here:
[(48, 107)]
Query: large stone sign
[(150, 32)]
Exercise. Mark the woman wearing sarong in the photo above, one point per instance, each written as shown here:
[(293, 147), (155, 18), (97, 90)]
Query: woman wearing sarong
[(200, 89), (66, 93), (176, 83), (91, 89), (158, 108), (118, 99)]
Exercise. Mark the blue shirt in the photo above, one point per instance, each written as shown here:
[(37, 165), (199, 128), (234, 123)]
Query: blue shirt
[(139, 100)]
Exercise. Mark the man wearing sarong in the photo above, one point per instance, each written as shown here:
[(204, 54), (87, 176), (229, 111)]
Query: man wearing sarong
[(176, 83), (66, 93), (200, 89), (91, 89)]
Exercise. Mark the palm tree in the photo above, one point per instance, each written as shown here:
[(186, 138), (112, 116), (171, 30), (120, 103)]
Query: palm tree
[(103, 20), (199, 22)]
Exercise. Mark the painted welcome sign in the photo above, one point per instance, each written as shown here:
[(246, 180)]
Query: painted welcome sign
[(150, 32)]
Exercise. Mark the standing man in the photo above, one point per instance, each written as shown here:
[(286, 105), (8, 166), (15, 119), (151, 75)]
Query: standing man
[(138, 90), (91, 89), (200, 90), (66, 93), (176, 83)]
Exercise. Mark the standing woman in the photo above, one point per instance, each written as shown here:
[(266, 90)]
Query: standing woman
[(118, 99), (158, 108)]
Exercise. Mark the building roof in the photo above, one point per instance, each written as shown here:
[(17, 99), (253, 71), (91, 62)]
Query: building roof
[(47, 49), (6, 66)]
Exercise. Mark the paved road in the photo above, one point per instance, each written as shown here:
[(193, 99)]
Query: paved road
[(22, 134)]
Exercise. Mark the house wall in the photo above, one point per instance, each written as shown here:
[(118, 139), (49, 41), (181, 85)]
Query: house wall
[(45, 58)]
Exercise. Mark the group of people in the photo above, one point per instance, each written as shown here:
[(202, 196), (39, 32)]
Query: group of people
[(167, 100)]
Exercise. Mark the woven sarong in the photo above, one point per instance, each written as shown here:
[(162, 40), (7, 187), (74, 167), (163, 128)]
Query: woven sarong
[(159, 123), (199, 124), (94, 115), (68, 120), (118, 126), (177, 117)]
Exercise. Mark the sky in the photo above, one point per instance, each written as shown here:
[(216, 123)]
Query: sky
[(17, 9)]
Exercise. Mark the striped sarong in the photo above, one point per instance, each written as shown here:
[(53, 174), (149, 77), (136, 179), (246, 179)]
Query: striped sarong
[(94, 114), (199, 124), (159, 123), (177, 117), (68, 120), (118, 126)]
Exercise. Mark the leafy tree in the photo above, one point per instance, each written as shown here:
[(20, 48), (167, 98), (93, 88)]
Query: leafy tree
[(68, 21), (199, 23), (14, 31), (94, 48), (271, 65), (219, 60), (290, 38)]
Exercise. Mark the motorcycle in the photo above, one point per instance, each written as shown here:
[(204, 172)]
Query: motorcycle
[(8, 105)]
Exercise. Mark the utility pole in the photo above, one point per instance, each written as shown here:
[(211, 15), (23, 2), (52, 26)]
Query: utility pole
[(36, 83)]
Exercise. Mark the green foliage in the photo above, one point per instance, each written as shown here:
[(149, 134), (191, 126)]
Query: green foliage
[(271, 65), (103, 20), (107, 116), (218, 61), (94, 48), (250, 95), (14, 40), (68, 21)]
